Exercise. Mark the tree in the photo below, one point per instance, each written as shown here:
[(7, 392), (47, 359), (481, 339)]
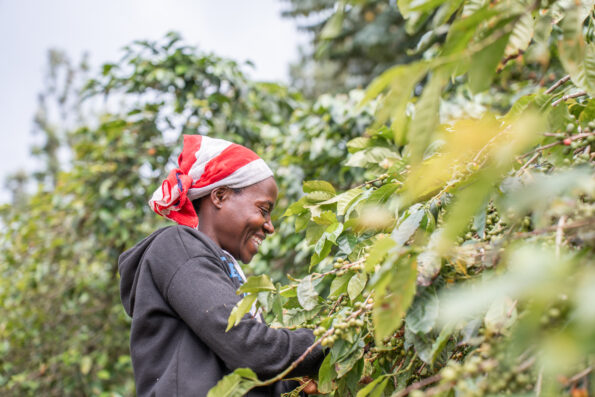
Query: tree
[(352, 45)]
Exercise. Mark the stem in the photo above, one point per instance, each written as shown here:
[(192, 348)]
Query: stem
[(569, 96), (558, 84), (507, 59), (544, 147), (580, 375), (524, 167), (560, 234), (301, 358), (575, 225), (419, 385)]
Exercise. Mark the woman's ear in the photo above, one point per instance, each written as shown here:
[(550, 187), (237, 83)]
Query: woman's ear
[(219, 195)]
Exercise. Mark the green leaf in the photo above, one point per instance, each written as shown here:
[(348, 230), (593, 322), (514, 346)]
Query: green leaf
[(332, 28), (346, 363), (423, 313), (440, 343), (239, 310), (377, 386), (577, 58), (500, 316), (426, 117), (278, 306), (296, 208), (326, 374), (421, 343), (318, 186), (382, 194), (339, 284), (346, 198), (408, 224), (356, 285), (429, 262), (378, 251), (325, 218), (484, 63), (235, 384), (358, 143), (297, 317), (307, 295), (521, 35), (318, 195), (256, 284), (392, 299), (373, 155)]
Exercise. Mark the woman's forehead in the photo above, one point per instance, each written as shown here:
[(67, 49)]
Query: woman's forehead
[(265, 190)]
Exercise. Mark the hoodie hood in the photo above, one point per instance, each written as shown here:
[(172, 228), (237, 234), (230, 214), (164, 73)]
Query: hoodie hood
[(129, 269)]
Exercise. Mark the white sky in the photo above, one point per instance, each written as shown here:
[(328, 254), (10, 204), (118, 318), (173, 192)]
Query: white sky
[(239, 29)]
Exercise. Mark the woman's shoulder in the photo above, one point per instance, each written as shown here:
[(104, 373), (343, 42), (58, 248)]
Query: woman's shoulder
[(184, 241)]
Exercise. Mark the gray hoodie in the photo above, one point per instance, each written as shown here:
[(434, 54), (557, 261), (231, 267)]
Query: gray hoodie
[(179, 292)]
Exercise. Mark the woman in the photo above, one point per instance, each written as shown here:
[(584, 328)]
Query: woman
[(179, 284)]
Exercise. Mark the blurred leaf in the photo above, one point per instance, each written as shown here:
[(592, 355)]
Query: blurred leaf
[(239, 310), (235, 384), (393, 295), (256, 284), (307, 295), (408, 224), (356, 285), (484, 63), (577, 57)]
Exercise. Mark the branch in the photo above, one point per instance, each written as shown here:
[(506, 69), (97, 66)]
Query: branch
[(580, 375), (544, 147), (560, 234), (558, 84), (419, 385), (507, 59), (569, 96), (575, 225), (312, 347)]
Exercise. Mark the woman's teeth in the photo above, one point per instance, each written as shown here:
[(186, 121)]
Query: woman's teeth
[(257, 240)]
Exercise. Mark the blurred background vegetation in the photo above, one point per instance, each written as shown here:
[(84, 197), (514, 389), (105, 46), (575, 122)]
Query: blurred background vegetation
[(420, 155)]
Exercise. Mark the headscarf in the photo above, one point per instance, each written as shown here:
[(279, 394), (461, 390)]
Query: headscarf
[(205, 164)]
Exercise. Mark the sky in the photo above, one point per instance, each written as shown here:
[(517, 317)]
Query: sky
[(239, 29)]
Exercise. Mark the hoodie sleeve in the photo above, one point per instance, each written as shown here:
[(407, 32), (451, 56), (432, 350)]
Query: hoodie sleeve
[(203, 296)]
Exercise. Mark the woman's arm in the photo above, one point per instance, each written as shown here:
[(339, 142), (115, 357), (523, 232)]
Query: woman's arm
[(203, 296)]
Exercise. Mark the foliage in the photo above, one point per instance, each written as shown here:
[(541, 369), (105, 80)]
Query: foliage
[(462, 263), (352, 45), (446, 221), (64, 331)]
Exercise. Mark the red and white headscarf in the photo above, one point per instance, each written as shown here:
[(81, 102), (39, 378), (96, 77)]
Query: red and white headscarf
[(205, 164)]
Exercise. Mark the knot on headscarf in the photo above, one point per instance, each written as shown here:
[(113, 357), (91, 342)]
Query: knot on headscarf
[(205, 164)]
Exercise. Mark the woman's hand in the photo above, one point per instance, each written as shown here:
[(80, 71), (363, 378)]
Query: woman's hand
[(311, 386)]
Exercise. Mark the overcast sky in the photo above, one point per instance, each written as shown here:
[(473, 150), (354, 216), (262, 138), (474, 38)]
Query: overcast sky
[(243, 30)]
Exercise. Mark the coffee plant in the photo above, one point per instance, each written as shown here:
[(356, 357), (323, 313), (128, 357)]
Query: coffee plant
[(461, 263)]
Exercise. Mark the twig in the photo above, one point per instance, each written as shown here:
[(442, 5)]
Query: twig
[(538, 383), (549, 145), (535, 156), (507, 59), (301, 358), (560, 234), (526, 364), (575, 225), (558, 84), (569, 96), (580, 375), (419, 385)]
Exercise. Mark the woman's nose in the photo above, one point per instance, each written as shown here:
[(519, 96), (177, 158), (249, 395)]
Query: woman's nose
[(268, 227)]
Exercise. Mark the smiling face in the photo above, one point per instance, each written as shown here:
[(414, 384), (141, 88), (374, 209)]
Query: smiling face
[(244, 218)]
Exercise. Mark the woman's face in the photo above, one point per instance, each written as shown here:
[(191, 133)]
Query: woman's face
[(245, 219)]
